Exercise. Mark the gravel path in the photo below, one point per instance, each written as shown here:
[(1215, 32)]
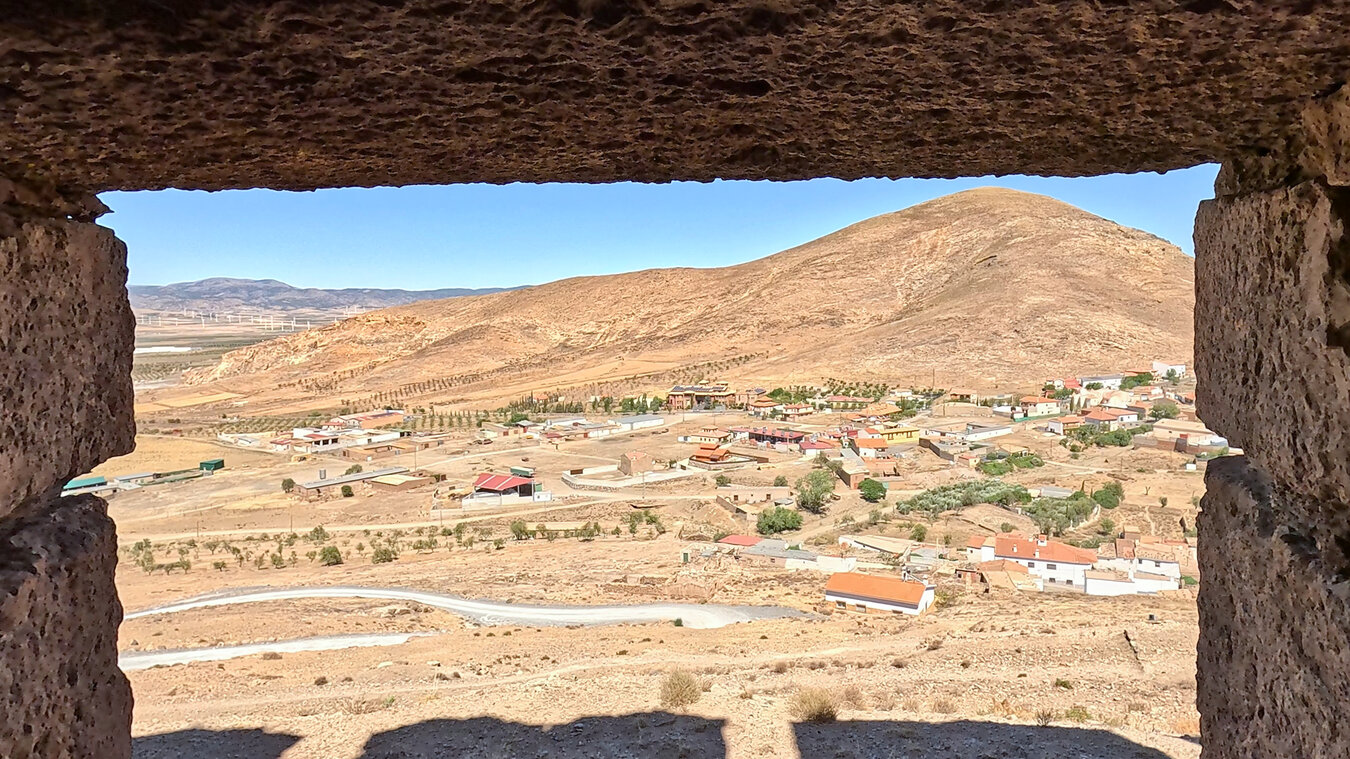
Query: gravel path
[(703, 616), (130, 661)]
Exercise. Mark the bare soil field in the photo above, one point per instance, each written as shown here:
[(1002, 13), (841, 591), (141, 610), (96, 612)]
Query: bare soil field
[(998, 674)]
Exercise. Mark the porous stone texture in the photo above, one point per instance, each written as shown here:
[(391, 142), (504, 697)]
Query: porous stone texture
[(63, 693), (218, 94), (66, 337), (1273, 668), (1272, 325)]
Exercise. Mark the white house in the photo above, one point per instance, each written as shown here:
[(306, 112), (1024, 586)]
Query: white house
[(1064, 425), (1055, 562), (1100, 582), (875, 594), (1036, 406), (1107, 381), (1161, 368), (1156, 561)]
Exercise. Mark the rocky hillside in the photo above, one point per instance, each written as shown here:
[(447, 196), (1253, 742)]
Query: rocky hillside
[(988, 286), (226, 293)]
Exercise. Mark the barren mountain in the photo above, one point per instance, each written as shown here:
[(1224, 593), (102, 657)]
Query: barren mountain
[(226, 293), (984, 287)]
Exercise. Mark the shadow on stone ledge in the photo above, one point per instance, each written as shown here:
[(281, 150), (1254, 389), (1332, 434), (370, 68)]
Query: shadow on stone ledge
[(962, 739), (654, 735), (213, 744)]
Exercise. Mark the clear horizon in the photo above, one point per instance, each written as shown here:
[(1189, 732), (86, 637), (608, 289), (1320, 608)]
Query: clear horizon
[(474, 236)]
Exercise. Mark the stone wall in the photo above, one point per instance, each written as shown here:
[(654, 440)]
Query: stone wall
[(66, 337), (59, 613), (1273, 672), (1272, 325)]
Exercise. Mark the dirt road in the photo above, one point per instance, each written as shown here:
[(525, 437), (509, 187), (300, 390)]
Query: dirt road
[(700, 616), (130, 661)]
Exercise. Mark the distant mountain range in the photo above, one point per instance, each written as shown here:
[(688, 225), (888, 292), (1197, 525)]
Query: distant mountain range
[(226, 293)]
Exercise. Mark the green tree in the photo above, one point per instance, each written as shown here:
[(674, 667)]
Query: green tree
[(918, 532), (330, 556), (871, 490), (287, 485), (1164, 410), (722, 480), (347, 491), (778, 519), (520, 530), (353, 469), (780, 481), (1106, 526), (814, 490), (382, 555)]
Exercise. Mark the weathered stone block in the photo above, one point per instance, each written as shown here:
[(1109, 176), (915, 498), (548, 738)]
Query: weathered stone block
[(1272, 329), (64, 695), (1273, 669), (66, 337)]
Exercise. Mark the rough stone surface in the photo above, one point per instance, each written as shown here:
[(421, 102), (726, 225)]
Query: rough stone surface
[(1272, 325), (63, 693), (240, 93), (66, 337), (1273, 669)]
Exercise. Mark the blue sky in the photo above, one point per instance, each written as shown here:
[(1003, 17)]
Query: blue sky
[(500, 235)]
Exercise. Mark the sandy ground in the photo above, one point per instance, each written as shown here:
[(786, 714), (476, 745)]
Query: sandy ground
[(970, 679)]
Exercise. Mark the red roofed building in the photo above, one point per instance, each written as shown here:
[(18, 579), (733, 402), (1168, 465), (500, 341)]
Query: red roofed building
[(1053, 561), (875, 594), (503, 484)]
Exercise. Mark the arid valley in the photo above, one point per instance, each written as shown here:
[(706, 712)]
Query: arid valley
[(635, 516)]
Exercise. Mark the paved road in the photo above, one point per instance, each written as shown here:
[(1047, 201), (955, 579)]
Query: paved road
[(703, 616), (130, 661)]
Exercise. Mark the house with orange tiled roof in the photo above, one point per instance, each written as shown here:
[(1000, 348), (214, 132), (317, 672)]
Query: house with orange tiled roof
[(1064, 424), (1110, 419), (877, 594), (1034, 405), (1055, 562)]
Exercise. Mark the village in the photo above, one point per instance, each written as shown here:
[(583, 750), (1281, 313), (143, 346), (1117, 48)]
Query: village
[(791, 479)]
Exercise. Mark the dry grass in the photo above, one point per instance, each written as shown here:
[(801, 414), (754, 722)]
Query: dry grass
[(943, 706), (814, 705), (680, 689), (356, 705), (853, 696), (1045, 717)]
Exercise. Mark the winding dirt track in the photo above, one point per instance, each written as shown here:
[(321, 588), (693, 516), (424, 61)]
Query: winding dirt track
[(702, 616)]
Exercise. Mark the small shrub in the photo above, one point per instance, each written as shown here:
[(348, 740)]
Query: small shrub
[(1062, 683), (814, 705), (933, 644), (347, 491), (1045, 717), (1077, 713), (965, 664), (270, 656), (320, 680), (679, 622), (944, 706), (330, 556), (853, 696), (899, 663), (780, 667), (382, 555), (679, 689), (287, 485)]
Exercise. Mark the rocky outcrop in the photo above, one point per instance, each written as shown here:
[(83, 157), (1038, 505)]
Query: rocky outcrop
[(66, 335), (247, 93), (64, 695)]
